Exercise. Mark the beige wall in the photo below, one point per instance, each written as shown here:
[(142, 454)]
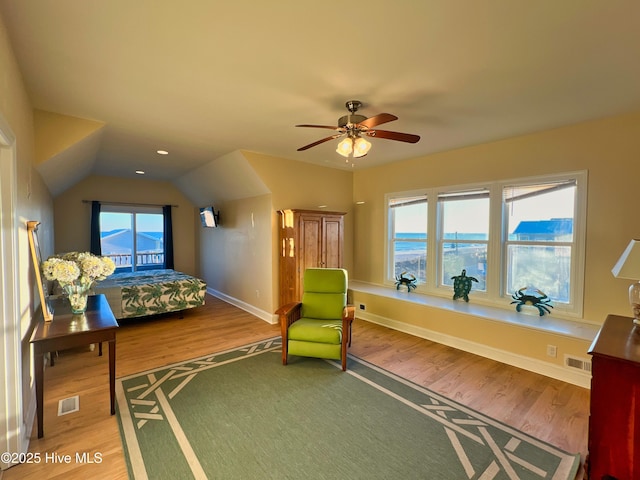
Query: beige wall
[(236, 257), (304, 186), (55, 133), (73, 216), (609, 149), (33, 202)]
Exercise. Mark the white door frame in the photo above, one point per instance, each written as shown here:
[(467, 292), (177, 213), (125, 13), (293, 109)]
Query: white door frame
[(13, 438)]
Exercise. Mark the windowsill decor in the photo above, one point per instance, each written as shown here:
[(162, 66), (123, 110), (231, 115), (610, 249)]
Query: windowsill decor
[(532, 297), (76, 273), (406, 280), (462, 285)]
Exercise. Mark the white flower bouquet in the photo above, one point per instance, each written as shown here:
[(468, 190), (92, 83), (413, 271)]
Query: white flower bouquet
[(76, 273), (77, 268)]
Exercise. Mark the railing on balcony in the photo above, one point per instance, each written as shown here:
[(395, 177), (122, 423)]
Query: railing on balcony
[(144, 260)]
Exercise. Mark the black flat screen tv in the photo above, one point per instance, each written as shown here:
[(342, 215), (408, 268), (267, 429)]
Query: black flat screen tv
[(209, 217)]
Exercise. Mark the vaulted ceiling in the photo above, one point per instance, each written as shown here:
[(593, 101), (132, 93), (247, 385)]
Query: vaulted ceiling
[(202, 79)]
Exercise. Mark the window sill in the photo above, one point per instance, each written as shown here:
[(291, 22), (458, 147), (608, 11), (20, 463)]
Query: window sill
[(548, 323)]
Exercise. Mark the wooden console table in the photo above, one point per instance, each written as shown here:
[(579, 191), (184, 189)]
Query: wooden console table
[(66, 330), (614, 423)]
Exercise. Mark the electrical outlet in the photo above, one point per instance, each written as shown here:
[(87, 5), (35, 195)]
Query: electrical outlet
[(552, 351), (362, 306)]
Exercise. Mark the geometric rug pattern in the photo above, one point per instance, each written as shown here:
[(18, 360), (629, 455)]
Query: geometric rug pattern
[(241, 414)]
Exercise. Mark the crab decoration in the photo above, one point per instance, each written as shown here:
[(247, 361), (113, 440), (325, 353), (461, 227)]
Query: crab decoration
[(541, 302), (409, 281), (462, 285)]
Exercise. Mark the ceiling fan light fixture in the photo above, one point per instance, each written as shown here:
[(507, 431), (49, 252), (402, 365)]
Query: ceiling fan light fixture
[(361, 147), (354, 128), (345, 147)]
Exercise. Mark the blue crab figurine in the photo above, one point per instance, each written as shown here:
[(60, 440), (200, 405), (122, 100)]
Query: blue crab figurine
[(408, 281), (525, 296)]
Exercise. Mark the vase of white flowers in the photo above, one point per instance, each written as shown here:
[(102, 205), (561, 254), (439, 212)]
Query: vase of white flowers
[(76, 273)]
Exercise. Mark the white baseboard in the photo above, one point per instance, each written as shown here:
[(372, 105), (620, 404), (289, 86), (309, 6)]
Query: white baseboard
[(526, 363), (261, 314)]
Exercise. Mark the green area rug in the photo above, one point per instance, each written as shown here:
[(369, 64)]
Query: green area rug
[(241, 414)]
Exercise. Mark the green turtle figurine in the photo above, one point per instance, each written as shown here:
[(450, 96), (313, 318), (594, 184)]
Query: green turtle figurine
[(462, 285)]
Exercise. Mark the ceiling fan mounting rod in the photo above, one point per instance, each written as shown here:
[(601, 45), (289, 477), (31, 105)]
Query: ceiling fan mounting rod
[(353, 105)]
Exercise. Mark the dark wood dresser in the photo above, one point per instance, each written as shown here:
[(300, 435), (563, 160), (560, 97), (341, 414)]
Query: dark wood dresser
[(614, 423)]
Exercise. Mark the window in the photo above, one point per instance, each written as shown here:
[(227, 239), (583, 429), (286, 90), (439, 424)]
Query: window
[(508, 235), (133, 237), (409, 238), (540, 240), (465, 235)]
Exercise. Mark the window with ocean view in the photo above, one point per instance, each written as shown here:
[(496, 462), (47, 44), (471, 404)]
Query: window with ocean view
[(510, 235), (409, 238), (465, 235)]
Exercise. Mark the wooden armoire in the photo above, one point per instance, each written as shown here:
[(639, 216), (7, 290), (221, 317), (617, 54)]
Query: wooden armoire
[(308, 239)]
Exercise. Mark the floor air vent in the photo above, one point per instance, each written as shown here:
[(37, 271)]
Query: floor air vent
[(68, 405), (578, 363)]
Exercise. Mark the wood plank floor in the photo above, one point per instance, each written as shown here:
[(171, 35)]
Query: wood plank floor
[(545, 408)]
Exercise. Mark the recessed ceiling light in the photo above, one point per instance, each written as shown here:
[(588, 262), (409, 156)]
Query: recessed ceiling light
[(162, 152), (140, 172), (322, 206)]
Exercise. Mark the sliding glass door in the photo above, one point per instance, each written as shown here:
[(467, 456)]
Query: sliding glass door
[(133, 237)]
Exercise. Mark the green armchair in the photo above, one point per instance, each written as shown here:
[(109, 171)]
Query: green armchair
[(320, 325)]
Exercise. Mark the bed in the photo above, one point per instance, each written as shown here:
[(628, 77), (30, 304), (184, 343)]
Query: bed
[(149, 292)]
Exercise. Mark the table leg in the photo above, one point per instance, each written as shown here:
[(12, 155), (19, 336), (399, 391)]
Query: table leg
[(112, 374), (38, 368)]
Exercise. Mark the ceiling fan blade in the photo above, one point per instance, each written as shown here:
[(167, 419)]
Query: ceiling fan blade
[(378, 120), (401, 137), (306, 147), (322, 126)]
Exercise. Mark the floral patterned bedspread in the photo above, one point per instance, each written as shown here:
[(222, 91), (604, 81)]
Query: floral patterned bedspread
[(149, 292)]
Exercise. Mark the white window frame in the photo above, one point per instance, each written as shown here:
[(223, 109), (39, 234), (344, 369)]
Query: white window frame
[(391, 234), (496, 250), (440, 240)]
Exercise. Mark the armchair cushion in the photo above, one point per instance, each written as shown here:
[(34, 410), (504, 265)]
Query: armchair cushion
[(315, 330), (323, 305), (325, 293)]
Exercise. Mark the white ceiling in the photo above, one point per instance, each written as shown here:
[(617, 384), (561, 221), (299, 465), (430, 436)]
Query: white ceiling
[(203, 78)]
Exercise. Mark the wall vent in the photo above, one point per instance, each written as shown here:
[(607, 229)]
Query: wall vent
[(68, 405), (583, 364)]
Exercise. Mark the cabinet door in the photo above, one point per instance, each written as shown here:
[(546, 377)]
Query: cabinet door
[(310, 241), (332, 242)]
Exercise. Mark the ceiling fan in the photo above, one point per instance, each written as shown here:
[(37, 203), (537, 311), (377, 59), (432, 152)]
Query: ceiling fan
[(355, 127)]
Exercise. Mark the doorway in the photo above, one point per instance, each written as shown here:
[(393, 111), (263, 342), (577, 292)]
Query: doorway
[(13, 438)]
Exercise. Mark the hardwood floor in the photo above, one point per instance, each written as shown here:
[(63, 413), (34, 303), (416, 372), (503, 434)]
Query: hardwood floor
[(545, 408)]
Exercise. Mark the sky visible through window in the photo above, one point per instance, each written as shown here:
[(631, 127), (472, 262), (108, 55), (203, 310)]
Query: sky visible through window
[(147, 222), (557, 204)]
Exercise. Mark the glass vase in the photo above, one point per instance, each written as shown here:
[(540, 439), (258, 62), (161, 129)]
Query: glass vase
[(77, 294)]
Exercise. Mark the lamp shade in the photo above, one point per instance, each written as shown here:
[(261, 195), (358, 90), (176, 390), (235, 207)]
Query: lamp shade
[(628, 265), (345, 147), (361, 147)]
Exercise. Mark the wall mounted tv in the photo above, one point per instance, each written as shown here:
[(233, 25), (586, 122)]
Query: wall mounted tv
[(209, 217)]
